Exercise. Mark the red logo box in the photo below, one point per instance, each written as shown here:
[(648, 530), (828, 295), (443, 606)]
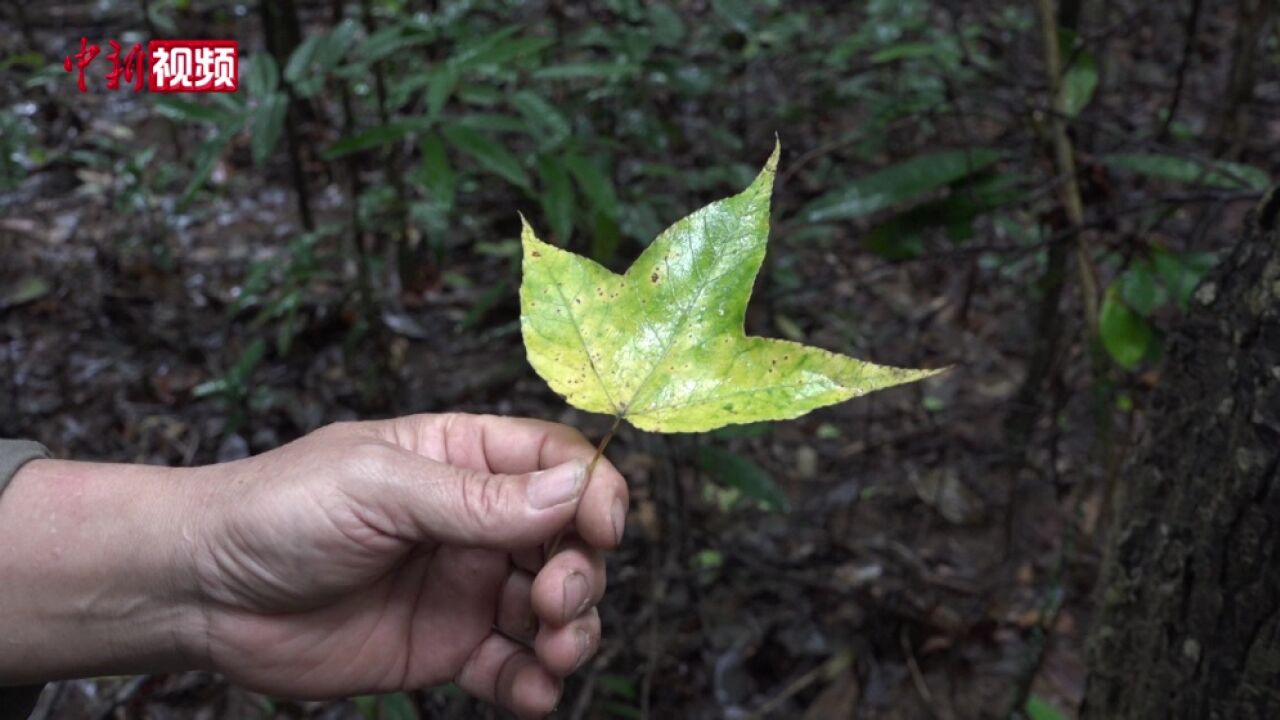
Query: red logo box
[(197, 66)]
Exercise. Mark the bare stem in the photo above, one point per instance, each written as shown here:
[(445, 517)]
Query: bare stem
[(591, 466)]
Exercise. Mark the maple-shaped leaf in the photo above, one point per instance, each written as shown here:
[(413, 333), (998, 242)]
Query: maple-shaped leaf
[(662, 346)]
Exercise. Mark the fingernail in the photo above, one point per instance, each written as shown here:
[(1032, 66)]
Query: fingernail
[(618, 515), (576, 595), (583, 640), (556, 486)]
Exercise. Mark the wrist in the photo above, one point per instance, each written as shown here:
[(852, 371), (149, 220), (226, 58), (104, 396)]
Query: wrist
[(97, 567)]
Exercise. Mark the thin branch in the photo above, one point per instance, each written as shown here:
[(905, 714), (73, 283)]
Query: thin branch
[(1193, 18)]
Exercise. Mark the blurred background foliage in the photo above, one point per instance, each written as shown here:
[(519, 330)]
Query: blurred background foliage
[(214, 274)]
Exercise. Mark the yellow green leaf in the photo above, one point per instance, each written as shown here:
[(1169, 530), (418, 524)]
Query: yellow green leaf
[(663, 346)]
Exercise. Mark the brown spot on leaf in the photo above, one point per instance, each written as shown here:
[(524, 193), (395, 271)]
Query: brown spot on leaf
[(654, 277), (535, 253)]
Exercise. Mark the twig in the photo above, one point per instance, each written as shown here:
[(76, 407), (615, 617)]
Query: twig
[(583, 702), (1188, 40), (1064, 155), (827, 670), (917, 677)]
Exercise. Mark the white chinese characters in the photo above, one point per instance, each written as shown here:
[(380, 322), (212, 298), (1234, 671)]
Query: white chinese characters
[(193, 66)]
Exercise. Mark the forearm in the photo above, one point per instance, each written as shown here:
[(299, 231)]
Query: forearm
[(95, 571)]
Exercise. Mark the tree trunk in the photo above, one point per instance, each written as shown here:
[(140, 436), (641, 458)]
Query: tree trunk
[(1188, 619)]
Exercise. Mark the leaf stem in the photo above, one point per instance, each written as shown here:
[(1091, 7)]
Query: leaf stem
[(604, 443), (591, 466)]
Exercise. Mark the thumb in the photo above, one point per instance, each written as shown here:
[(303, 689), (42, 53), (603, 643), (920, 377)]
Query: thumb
[(459, 506)]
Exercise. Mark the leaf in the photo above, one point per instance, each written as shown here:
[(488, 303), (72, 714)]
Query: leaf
[(437, 171), (373, 137), (312, 60), (667, 26), (901, 237), (1181, 274), (27, 289), (491, 156), (1039, 709), (207, 159), (907, 51), (188, 111), (594, 183), (1211, 173), (1080, 79), (557, 197), (906, 181), (1139, 290), (264, 76), (540, 113), (662, 345), (733, 470), (499, 49), (268, 121), (586, 70), (396, 706), (443, 83), (1125, 334)]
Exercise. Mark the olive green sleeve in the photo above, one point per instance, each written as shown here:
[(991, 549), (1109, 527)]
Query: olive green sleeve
[(16, 703)]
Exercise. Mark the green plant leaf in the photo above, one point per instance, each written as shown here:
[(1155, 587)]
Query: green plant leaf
[(1210, 173), (374, 137), (587, 71), (1139, 290), (1181, 273), (207, 159), (906, 181), (486, 151), (268, 121), (901, 237), (264, 76), (1080, 78), (27, 289), (317, 56), (662, 346), (188, 111), (499, 48), (557, 197), (1039, 709), (1125, 334), (594, 183), (438, 174), (443, 83), (735, 471), (539, 113), (396, 706)]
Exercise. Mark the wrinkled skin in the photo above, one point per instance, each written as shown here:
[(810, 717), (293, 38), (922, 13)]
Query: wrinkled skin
[(402, 554)]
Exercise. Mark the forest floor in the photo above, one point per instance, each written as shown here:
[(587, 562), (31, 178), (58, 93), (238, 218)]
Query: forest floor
[(920, 572)]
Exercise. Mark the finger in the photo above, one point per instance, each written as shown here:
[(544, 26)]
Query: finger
[(562, 650), (490, 442), (602, 513), (572, 581), (497, 444), (503, 673), (426, 500), (515, 607)]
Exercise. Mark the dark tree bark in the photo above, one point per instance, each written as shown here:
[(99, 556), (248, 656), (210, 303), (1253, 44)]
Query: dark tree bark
[(1188, 619)]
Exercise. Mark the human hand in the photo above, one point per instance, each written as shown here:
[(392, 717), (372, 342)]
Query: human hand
[(401, 554)]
